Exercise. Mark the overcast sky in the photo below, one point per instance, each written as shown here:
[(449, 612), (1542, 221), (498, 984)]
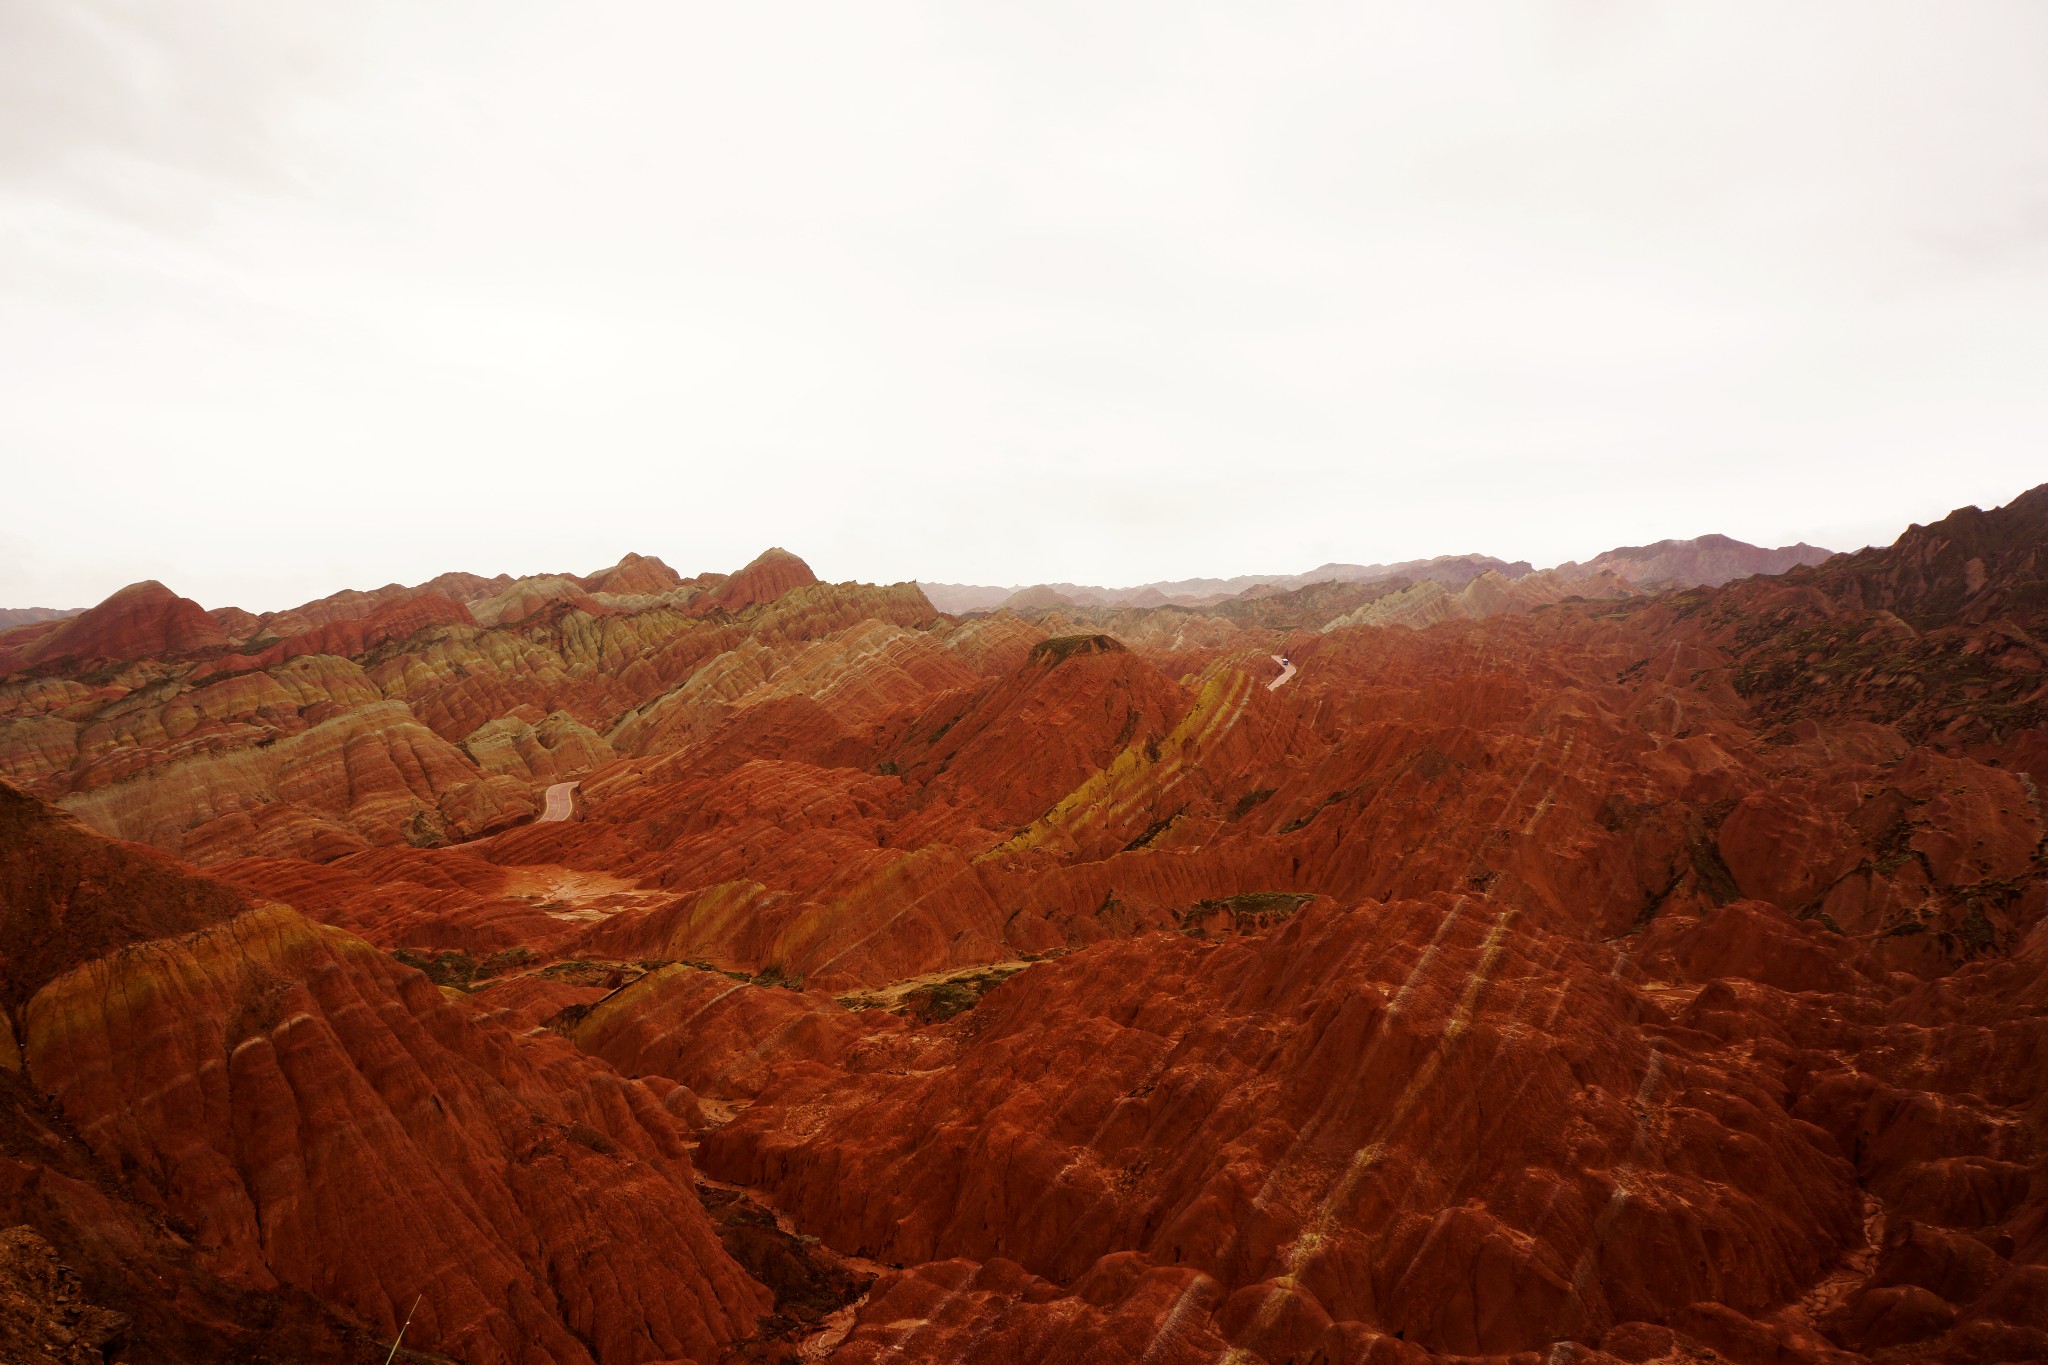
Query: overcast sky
[(299, 296)]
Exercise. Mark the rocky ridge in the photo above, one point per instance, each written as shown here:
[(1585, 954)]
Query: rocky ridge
[(1564, 975)]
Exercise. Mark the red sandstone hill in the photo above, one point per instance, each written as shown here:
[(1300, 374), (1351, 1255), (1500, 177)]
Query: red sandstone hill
[(399, 716), (143, 620), (1551, 978), (635, 574), (313, 1117), (769, 576), (72, 896), (1970, 567), (1939, 634)]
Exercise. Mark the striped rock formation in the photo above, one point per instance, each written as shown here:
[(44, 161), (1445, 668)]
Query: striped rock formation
[(1558, 972)]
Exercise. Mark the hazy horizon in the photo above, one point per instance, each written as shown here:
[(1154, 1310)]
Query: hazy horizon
[(688, 570), (299, 299)]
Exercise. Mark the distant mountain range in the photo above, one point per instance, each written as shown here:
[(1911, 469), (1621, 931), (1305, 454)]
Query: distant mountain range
[(1704, 561), (28, 616)]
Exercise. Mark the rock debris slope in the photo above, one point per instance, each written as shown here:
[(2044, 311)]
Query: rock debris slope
[(1555, 969)]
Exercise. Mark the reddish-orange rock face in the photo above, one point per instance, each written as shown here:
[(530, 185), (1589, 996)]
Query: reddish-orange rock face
[(348, 636), (635, 575), (1425, 1115), (774, 573), (320, 1117), (1536, 970), (144, 620), (71, 897)]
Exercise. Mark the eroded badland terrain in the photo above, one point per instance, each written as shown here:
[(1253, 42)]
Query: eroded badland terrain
[(631, 968)]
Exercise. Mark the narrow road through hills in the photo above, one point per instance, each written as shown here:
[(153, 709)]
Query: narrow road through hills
[(561, 802), (1286, 672)]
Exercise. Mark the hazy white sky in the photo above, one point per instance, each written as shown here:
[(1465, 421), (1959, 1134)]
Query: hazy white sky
[(299, 296)]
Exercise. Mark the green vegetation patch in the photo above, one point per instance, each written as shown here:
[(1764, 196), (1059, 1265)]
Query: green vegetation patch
[(1302, 821), (945, 999), (941, 1000), (452, 967), (773, 975), (1247, 912), (1250, 801), (1061, 648), (808, 1280), (1152, 831)]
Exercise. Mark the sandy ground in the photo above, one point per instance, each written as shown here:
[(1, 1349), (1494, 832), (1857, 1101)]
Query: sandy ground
[(581, 897)]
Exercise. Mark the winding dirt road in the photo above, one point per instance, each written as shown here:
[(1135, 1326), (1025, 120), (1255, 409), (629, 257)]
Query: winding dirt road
[(1286, 672), (561, 803)]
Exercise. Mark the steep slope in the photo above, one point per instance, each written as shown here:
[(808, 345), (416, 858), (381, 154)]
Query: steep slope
[(394, 618), (42, 1314), (635, 576), (1423, 1117), (1940, 634), (320, 1117), (143, 620), (67, 898), (1780, 995), (771, 574), (70, 896), (1968, 568), (1574, 973), (847, 877), (400, 715)]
